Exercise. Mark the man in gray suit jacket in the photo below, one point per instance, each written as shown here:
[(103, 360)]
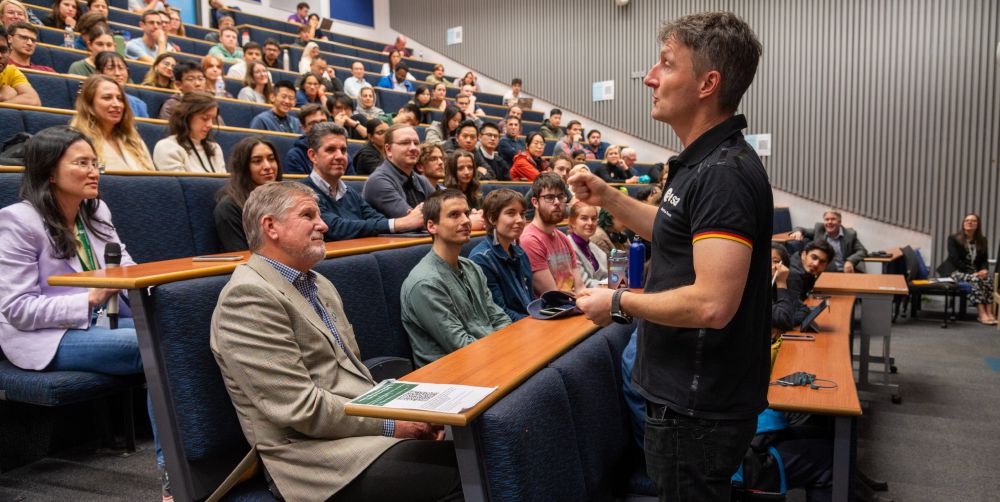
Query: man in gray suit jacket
[(290, 362), (849, 250)]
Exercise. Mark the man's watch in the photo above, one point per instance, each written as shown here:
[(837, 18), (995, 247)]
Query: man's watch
[(616, 308)]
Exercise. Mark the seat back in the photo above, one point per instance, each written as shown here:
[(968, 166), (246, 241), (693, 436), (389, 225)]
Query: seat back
[(394, 266), (10, 186), (150, 215)]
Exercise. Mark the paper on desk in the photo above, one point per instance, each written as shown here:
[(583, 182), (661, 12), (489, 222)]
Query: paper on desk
[(442, 398)]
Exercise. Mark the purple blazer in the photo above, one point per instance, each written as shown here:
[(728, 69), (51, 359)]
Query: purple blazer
[(33, 315)]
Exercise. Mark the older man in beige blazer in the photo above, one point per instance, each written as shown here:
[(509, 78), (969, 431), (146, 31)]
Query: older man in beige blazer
[(290, 362)]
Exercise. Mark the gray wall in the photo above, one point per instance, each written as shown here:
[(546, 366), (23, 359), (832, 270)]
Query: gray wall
[(889, 109)]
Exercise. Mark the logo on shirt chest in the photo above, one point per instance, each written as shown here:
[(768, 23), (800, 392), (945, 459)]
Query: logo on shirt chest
[(669, 196)]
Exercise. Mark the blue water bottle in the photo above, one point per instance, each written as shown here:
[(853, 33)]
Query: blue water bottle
[(636, 262)]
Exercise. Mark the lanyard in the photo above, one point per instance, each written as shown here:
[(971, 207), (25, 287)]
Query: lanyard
[(86, 255), (210, 167)]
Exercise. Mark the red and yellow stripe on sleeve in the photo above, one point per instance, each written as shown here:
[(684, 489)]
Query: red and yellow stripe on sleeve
[(723, 235)]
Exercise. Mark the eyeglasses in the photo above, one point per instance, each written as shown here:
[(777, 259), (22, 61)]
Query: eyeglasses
[(26, 38), (407, 143), (89, 165), (552, 198), (490, 135)]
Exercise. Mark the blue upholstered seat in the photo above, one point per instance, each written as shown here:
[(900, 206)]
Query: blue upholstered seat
[(58, 388)]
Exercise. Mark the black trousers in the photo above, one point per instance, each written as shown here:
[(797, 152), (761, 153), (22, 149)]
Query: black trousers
[(414, 470)]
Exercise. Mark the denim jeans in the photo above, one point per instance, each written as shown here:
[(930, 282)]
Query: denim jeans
[(104, 350), (693, 459)]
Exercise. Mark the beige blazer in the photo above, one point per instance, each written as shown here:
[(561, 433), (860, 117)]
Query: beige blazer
[(289, 380)]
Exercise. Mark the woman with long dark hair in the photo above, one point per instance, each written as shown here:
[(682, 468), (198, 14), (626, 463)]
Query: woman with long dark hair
[(252, 162), (65, 13), (460, 173), (440, 131), (529, 163), (190, 147), (967, 262), (61, 226)]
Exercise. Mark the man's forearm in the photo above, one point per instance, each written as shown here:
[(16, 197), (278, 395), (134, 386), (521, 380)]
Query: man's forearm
[(684, 307)]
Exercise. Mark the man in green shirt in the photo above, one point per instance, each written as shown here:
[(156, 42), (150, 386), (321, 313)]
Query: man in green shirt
[(446, 303)]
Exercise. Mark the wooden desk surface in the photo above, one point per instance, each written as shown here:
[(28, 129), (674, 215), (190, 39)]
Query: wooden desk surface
[(503, 359), (161, 272), (828, 357), (838, 283), (894, 254)]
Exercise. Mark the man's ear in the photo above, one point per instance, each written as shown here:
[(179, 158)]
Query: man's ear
[(431, 227), (312, 155), (711, 83)]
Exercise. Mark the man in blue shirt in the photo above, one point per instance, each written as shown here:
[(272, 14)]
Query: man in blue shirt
[(511, 144), (153, 41), (277, 118), (345, 213), (397, 81)]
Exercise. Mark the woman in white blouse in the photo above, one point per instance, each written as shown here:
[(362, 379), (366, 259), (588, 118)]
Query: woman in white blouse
[(104, 115), (257, 84), (190, 147)]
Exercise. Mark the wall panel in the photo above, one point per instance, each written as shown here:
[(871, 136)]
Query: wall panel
[(889, 109)]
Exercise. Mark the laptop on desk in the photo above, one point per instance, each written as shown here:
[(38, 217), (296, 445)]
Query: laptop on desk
[(525, 103), (809, 323)]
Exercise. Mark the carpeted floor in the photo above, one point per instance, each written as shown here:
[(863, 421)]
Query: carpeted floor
[(941, 444)]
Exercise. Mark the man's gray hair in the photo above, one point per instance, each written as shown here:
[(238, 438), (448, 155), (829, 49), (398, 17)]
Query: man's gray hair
[(319, 131), (628, 152), (273, 199)]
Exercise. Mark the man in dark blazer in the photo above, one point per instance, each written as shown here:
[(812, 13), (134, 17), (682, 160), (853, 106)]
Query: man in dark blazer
[(290, 362), (848, 250)]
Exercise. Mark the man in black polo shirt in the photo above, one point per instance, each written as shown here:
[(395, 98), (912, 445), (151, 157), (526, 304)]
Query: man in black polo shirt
[(704, 331)]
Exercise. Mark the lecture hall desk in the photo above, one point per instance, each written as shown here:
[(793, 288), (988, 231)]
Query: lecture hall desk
[(876, 292), (829, 358)]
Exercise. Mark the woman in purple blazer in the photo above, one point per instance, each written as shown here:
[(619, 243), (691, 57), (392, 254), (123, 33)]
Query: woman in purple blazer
[(61, 227)]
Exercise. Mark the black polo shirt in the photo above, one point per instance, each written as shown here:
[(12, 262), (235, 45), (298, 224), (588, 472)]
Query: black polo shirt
[(717, 188)]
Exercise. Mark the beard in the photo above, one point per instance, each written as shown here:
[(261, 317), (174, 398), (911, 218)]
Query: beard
[(551, 216)]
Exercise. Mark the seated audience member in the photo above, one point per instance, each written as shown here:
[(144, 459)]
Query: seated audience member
[(439, 132), (580, 157), (430, 164), (165, 23), (514, 111), (113, 65), (161, 74), (366, 104), (553, 262), (326, 75), (13, 11), (529, 163), (64, 13), (253, 162), (590, 260), (356, 82), (570, 145), (787, 311), (190, 147), (256, 84), (436, 76), (806, 267), (446, 303), (371, 155), (226, 49), (400, 46), (315, 32), (272, 54), (394, 189), (153, 41), (301, 15), (468, 79), (967, 262), (297, 158), (104, 115), (278, 322), (489, 162), (143, 6), (189, 78), (390, 68), (408, 114), (23, 39), (422, 97), (561, 165), (310, 91), (511, 143), (503, 262), (439, 97), (309, 52), (465, 138), (345, 213), (849, 253), (397, 81), (613, 170), (595, 148), (464, 101), (629, 158), (99, 39), (551, 127), (84, 24), (225, 21), (57, 328), (251, 53), (514, 94), (304, 36), (175, 27), (460, 174), (214, 82), (341, 110), (277, 118), (14, 86)]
